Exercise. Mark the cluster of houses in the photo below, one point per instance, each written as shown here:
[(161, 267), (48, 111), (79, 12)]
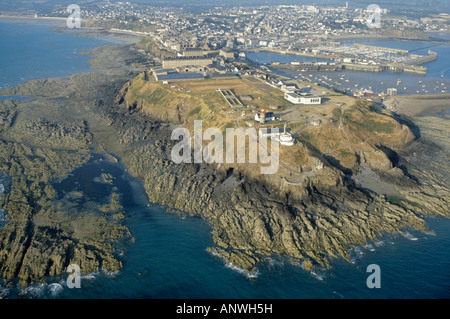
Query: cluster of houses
[(294, 94)]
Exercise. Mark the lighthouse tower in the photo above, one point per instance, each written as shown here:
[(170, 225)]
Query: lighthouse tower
[(262, 117)]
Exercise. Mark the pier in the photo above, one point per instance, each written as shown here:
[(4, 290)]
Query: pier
[(421, 59), (380, 49)]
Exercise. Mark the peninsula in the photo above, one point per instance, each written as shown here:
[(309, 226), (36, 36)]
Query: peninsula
[(353, 171)]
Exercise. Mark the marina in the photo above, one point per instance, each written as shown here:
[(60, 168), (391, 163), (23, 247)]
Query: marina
[(387, 81)]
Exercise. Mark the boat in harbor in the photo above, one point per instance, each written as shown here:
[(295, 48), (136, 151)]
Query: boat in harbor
[(363, 92)]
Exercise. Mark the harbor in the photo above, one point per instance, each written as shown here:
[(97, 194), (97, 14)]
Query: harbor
[(420, 72), (359, 57)]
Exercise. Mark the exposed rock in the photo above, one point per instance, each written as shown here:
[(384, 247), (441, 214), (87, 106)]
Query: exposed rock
[(251, 216)]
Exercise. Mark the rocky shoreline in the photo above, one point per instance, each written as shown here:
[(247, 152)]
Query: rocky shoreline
[(251, 217), (43, 140)]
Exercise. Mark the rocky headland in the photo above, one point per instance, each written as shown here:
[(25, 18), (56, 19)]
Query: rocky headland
[(310, 221), (254, 216)]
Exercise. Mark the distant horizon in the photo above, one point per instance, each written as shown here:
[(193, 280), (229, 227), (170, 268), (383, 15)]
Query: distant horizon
[(428, 6)]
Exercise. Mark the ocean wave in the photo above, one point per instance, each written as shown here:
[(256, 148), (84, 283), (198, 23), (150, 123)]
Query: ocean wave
[(253, 274), (39, 290), (33, 291), (90, 276), (318, 276), (4, 292), (249, 274), (430, 232), (295, 262), (214, 253), (369, 247), (355, 253), (112, 274), (55, 289), (271, 262), (2, 188), (380, 243), (410, 236), (338, 294), (358, 252)]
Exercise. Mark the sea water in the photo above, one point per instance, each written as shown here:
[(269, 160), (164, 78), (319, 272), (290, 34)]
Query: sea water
[(435, 81), (169, 257), (29, 50)]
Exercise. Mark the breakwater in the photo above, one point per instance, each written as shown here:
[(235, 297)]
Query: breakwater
[(317, 66), (380, 49)]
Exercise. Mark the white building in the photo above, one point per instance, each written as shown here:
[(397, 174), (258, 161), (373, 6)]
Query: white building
[(315, 122), (302, 99), (289, 88), (285, 139), (269, 116), (271, 132)]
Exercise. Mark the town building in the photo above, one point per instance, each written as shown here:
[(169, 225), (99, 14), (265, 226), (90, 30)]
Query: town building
[(315, 122), (268, 116), (170, 63), (164, 75), (289, 88), (191, 52), (271, 132), (226, 53), (302, 99)]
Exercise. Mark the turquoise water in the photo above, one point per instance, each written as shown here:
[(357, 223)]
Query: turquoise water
[(169, 259)]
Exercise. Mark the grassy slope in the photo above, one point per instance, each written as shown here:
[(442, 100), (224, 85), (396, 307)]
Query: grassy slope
[(347, 134)]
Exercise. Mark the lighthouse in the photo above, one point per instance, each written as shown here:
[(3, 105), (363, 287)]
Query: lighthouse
[(262, 118)]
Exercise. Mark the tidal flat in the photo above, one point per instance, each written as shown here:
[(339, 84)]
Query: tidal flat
[(43, 140)]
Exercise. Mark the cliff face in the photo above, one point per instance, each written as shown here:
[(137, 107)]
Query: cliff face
[(156, 102), (347, 137), (308, 212), (307, 217)]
